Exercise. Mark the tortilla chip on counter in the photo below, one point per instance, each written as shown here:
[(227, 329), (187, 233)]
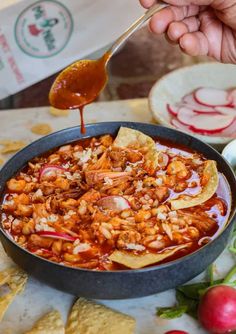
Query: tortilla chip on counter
[(11, 146), (42, 129), (5, 275), (16, 279), (86, 317), (142, 260), (50, 323), (58, 112), (131, 138), (211, 181)]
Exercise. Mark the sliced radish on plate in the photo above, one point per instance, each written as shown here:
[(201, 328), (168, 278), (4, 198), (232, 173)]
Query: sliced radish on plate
[(173, 109), (190, 102), (232, 96), (178, 125), (230, 131), (212, 97), (56, 235), (205, 125), (185, 116), (226, 111), (115, 203), (189, 99)]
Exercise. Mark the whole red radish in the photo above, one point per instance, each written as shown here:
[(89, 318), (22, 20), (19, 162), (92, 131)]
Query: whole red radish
[(217, 309)]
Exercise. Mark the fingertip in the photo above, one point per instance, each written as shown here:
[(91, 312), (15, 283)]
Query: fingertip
[(157, 25), (176, 30), (194, 44), (160, 21), (189, 44), (147, 3)]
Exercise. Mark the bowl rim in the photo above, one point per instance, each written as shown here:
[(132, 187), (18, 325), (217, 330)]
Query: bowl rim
[(227, 147), (161, 120), (7, 236)]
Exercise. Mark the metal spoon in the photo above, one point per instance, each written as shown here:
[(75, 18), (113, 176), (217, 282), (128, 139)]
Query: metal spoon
[(81, 82)]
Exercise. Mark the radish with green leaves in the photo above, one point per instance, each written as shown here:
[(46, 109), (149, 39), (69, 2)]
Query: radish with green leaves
[(213, 303), (217, 309)]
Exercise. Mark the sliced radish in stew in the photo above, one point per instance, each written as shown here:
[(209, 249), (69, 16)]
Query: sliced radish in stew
[(212, 97), (229, 111), (202, 123), (56, 235), (163, 159), (115, 203), (48, 169)]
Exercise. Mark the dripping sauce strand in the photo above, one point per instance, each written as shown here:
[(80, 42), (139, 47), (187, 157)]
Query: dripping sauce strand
[(79, 85), (82, 126)]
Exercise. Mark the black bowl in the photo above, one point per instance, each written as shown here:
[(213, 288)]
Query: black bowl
[(125, 283)]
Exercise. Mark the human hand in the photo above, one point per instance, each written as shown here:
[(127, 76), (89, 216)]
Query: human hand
[(200, 27)]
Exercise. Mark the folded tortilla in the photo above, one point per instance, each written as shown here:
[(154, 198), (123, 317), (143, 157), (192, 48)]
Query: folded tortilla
[(210, 173), (134, 261), (131, 138)]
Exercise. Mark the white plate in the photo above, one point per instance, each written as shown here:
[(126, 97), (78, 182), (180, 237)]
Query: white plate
[(229, 153), (173, 86)]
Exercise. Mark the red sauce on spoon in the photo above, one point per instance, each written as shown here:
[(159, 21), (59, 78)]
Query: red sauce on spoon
[(79, 84)]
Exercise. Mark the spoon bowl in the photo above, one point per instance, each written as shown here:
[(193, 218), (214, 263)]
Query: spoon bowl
[(79, 84)]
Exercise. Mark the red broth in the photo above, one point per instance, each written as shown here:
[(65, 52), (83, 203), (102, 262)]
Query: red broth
[(54, 195)]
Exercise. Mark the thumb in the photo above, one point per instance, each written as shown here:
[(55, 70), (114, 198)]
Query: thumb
[(147, 3)]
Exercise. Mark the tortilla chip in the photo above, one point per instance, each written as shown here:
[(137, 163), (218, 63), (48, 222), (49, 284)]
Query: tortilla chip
[(16, 279), (1, 161), (6, 275), (131, 138), (11, 146), (58, 112), (208, 190), (50, 323), (41, 129), (139, 261), (87, 317), (8, 331)]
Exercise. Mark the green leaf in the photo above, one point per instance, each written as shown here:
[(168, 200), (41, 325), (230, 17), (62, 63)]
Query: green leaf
[(211, 273), (193, 290), (172, 312), (192, 304)]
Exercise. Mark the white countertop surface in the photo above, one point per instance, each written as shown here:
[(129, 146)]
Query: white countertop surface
[(37, 298)]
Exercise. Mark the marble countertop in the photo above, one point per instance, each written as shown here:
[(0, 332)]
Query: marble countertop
[(37, 298)]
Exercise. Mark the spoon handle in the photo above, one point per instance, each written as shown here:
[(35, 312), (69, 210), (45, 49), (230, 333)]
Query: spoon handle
[(149, 13)]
